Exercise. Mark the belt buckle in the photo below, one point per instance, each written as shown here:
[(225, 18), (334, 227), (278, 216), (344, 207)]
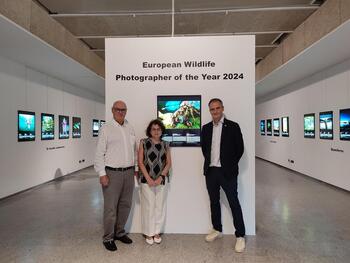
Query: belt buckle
[(122, 169)]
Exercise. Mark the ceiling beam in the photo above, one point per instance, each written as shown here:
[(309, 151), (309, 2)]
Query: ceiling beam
[(35, 20), (317, 26), (257, 46), (168, 35), (188, 11)]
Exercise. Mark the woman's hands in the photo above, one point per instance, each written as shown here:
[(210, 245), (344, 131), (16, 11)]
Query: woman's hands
[(159, 180), (152, 182)]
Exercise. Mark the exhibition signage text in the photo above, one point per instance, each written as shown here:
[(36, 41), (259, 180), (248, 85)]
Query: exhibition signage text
[(180, 76)]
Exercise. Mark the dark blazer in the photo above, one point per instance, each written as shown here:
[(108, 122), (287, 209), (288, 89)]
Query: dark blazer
[(231, 146)]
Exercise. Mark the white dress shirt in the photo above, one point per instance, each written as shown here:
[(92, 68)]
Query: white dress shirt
[(116, 147), (215, 144)]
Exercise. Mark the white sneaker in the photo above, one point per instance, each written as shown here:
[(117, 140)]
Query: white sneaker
[(214, 234), (157, 240), (149, 241), (240, 244)]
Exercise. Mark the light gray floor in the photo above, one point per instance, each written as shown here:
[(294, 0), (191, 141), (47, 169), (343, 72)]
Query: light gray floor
[(298, 220)]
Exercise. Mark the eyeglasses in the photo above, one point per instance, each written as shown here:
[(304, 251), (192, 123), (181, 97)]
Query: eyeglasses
[(119, 110)]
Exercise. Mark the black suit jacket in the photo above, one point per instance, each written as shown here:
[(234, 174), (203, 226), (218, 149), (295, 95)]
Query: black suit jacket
[(231, 146)]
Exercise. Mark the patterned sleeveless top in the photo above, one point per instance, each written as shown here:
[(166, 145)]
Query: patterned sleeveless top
[(154, 158)]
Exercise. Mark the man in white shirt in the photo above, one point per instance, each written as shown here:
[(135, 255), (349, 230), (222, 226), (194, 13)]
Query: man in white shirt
[(115, 163)]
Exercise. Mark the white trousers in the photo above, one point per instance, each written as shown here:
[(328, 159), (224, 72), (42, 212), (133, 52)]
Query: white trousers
[(153, 208)]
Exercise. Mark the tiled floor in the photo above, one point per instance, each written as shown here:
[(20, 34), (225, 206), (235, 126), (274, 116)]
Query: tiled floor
[(298, 220)]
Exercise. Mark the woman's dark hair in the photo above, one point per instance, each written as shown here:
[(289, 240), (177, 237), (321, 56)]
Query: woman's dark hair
[(154, 122)]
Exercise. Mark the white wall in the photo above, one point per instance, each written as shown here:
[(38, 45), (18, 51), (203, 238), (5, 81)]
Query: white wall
[(188, 203), (328, 90), (27, 164)]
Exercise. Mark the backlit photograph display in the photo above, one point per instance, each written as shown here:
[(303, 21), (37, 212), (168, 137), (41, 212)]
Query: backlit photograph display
[(344, 124), (63, 127), (309, 125), (262, 127), (76, 127), (269, 127), (285, 126), (181, 116), (47, 126), (276, 127), (95, 127), (26, 126), (326, 125)]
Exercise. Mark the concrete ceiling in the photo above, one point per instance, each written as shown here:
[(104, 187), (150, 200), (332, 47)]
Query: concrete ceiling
[(92, 20), (332, 49), (20, 45)]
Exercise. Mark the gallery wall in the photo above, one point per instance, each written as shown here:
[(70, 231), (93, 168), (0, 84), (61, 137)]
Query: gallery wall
[(27, 164), (325, 160), (188, 203)]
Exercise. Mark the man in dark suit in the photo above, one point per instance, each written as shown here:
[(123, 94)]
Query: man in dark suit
[(222, 147)]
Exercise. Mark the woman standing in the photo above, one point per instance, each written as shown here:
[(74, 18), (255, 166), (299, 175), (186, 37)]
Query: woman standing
[(154, 162)]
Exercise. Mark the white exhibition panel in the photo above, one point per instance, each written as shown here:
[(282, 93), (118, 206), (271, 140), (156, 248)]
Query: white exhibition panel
[(325, 160), (27, 164), (188, 203)]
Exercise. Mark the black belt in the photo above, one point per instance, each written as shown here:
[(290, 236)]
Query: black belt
[(121, 169)]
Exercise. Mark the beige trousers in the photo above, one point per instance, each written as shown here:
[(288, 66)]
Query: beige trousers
[(153, 208)]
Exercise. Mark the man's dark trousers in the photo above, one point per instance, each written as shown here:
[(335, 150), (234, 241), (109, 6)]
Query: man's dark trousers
[(215, 179)]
